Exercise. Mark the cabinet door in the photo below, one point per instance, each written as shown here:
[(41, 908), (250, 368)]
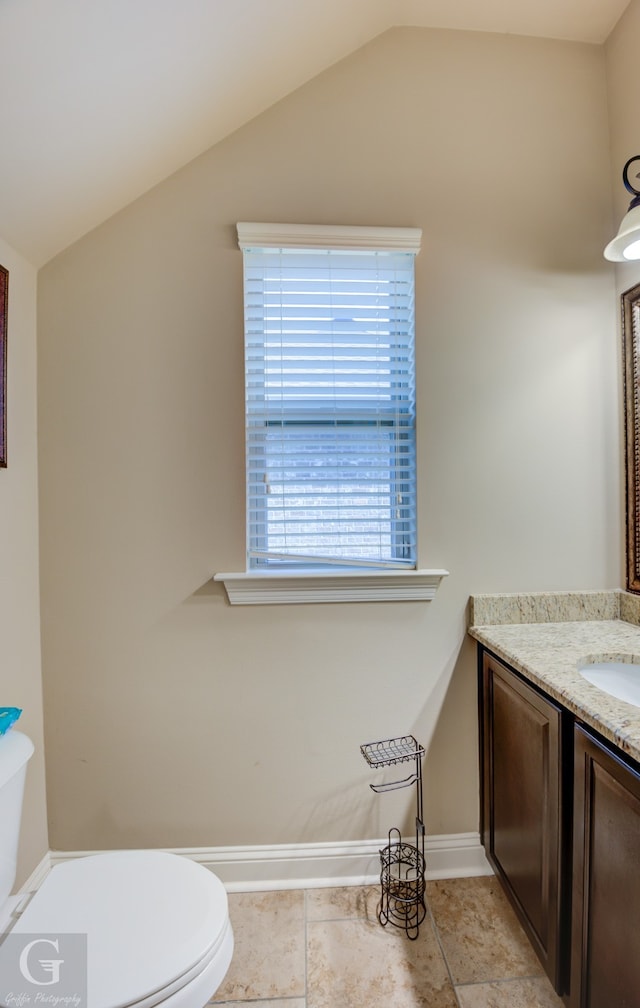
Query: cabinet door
[(522, 794), (605, 970)]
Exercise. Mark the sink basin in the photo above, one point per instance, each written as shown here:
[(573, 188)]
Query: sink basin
[(619, 679)]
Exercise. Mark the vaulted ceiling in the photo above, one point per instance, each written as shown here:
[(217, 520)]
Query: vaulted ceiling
[(102, 99)]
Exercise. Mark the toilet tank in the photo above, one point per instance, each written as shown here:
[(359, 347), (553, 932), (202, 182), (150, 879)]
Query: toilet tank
[(15, 751)]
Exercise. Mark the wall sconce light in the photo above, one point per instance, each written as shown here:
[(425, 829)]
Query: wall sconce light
[(625, 247)]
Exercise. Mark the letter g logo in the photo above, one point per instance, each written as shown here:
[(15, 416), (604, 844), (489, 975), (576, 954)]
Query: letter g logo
[(48, 966)]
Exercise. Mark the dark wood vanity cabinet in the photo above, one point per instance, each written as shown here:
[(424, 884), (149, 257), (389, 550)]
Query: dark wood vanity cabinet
[(560, 823), (605, 953), (524, 824)]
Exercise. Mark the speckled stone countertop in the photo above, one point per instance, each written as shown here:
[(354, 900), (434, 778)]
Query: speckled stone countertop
[(547, 636)]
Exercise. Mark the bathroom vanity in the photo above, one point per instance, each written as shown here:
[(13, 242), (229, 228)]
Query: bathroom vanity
[(560, 786)]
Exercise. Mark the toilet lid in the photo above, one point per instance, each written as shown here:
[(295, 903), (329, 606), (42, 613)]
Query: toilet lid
[(153, 920)]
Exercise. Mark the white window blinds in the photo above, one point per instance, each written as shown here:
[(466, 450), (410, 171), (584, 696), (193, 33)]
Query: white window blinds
[(330, 396)]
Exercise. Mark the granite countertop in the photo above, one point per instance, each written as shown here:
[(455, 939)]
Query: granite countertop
[(547, 636)]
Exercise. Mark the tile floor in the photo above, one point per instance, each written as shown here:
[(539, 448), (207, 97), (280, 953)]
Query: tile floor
[(324, 948)]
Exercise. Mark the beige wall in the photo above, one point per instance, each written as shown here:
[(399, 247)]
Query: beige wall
[(20, 673), (173, 719), (624, 95)]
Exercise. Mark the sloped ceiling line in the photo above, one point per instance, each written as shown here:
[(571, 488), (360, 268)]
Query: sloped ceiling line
[(103, 100)]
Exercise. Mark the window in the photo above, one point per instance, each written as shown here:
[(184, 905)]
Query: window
[(330, 416), (330, 397)]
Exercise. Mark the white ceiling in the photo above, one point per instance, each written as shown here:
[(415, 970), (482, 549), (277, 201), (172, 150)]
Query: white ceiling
[(101, 99)]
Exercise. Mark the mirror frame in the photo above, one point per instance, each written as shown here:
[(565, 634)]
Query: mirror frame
[(4, 297), (630, 304)]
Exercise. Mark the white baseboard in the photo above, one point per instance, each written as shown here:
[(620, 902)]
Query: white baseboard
[(309, 866)]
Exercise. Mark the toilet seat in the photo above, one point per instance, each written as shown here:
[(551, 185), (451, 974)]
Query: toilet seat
[(156, 924)]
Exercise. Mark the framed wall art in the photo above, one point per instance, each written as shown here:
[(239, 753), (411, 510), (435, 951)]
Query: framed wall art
[(4, 301)]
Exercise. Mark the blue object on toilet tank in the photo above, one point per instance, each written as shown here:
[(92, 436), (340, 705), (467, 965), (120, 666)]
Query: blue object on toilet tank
[(8, 716)]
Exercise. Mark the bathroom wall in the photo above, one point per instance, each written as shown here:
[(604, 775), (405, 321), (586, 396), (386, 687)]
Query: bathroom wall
[(20, 670), (175, 720), (621, 52)]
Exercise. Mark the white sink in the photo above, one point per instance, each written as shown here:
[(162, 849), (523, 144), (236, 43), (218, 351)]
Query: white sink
[(619, 679)]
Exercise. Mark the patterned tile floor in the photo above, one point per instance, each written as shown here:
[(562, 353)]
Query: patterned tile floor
[(324, 948)]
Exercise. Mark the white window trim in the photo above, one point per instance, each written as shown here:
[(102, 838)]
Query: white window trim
[(362, 585), (328, 236), (287, 587)]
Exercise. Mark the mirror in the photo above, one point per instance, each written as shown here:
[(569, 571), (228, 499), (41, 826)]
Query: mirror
[(631, 359)]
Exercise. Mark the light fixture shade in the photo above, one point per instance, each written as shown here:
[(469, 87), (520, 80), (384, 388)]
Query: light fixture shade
[(625, 247)]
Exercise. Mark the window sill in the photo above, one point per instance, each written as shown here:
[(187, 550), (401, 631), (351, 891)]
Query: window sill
[(286, 587)]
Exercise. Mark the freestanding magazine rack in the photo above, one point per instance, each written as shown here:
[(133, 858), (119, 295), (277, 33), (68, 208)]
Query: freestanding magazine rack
[(402, 865)]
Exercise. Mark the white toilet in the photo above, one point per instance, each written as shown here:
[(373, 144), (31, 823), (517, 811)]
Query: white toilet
[(157, 924)]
